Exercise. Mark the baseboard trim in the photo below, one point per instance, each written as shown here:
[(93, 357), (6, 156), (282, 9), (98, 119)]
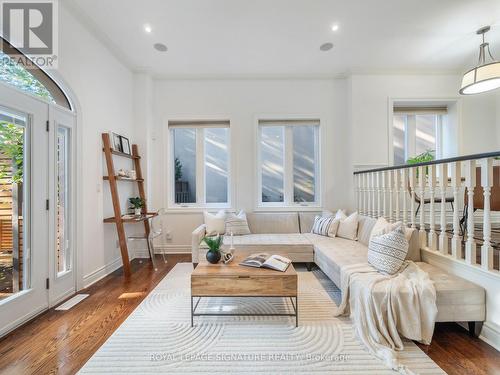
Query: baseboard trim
[(101, 272), (490, 334), (166, 249), (21, 321)]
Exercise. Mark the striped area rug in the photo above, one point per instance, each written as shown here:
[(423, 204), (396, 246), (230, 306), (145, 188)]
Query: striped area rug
[(157, 337)]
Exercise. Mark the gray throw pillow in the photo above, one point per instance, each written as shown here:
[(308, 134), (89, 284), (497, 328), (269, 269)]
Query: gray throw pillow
[(388, 252)]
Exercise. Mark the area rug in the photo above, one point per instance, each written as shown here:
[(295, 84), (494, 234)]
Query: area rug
[(157, 337)]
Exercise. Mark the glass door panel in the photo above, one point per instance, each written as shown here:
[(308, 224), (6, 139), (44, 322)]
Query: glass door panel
[(23, 212), (14, 257)]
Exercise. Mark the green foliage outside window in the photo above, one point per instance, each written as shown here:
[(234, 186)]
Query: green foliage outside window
[(18, 76), (12, 146)]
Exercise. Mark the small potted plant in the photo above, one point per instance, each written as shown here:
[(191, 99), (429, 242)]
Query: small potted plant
[(137, 204), (214, 244)]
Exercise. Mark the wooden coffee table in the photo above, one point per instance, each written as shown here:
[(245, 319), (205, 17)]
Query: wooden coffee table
[(233, 280)]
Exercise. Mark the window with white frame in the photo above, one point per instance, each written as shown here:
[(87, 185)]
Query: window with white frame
[(417, 133), (199, 163), (288, 170)]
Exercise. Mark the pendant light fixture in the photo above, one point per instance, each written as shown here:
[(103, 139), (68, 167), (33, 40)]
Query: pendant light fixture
[(486, 75)]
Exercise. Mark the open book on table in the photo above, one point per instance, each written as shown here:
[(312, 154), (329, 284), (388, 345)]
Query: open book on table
[(263, 260)]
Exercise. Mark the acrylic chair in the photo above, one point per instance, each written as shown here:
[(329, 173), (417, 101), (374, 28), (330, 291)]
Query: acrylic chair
[(157, 231)]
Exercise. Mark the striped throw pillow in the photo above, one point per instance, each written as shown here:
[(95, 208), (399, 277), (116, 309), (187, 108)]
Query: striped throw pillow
[(387, 252), (237, 224), (322, 225)]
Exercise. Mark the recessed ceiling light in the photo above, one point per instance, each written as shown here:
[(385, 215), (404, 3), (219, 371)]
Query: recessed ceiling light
[(148, 28), (335, 27), (326, 46), (160, 47)]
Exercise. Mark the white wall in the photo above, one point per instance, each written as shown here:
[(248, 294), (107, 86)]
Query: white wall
[(370, 95), (241, 101), (104, 90)]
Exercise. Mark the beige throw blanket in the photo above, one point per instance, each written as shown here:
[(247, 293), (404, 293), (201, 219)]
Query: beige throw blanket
[(383, 307)]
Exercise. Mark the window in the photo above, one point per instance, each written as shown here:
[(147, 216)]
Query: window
[(32, 80), (288, 162), (63, 197), (416, 131), (200, 163)]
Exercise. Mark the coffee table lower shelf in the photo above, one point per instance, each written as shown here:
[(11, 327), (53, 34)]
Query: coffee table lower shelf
[(294, 305)]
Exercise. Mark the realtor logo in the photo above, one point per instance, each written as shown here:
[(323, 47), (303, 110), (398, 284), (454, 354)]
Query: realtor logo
[(31, 28)]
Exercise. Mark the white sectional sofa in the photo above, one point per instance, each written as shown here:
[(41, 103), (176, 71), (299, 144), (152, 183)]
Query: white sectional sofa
[(458, 300)]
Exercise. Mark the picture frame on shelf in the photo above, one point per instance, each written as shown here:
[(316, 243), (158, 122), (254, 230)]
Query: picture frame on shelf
[(125, 144), (116, 142)]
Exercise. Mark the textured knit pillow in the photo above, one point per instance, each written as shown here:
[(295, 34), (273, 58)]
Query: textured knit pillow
[(237, 224), (322, 225), (387, 252)]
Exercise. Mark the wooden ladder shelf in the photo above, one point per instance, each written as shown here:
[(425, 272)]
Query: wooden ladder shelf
[(118, 218)]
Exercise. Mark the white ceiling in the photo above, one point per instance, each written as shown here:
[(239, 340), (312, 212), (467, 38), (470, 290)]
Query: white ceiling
[(281, 38)]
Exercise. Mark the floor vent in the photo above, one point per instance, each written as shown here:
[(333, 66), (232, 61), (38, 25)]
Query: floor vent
[(72, 302)]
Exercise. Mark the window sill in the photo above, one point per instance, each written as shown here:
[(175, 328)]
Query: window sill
[(287, 208), (197, 209)]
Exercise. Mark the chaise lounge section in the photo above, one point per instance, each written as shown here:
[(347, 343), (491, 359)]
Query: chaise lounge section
[(457, 299)]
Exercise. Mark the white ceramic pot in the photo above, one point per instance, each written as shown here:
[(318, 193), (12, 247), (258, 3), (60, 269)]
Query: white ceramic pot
[(138, 211)]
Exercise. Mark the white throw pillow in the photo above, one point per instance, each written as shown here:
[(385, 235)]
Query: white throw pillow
[(382, 226), (237, 224), (387, 252), (348, 226), (215, 223)]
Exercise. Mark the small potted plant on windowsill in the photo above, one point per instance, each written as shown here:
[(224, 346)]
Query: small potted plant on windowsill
[(214, 244), (137, 205)]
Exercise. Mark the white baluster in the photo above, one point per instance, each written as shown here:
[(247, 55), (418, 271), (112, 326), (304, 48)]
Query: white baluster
[(374, 193), (443, 185), (358, 191), (397, 186), (404, 189), (365, 193), (431, 180), (456, 181), (421, 193), (486, 183), (413, 172), (379, 192), (370, 194), (470, 183), (384, 193), (390, 184)]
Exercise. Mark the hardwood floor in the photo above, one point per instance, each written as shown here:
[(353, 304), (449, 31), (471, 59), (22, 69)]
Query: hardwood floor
[(60, 342)]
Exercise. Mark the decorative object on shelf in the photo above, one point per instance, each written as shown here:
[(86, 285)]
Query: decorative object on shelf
[(227, 256), (125, 145), (137, 204), (214, 244), (127, 174), (116, 142), (486, 75)]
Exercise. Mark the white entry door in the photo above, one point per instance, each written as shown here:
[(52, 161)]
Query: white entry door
[(24, 232), (61, 191)]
